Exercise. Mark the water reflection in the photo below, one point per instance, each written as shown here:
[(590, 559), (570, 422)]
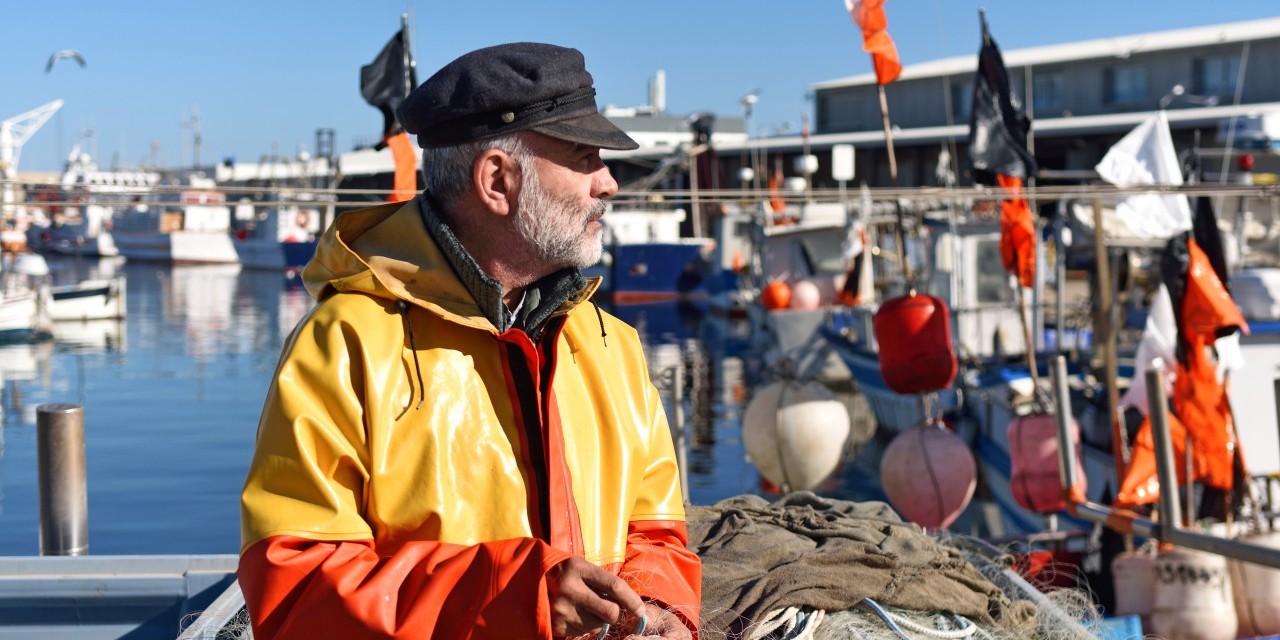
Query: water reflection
[(172, 396)]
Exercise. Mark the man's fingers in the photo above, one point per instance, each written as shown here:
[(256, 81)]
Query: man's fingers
[(612, 588)]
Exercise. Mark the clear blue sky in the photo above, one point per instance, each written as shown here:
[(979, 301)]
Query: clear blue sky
[(265, 75)]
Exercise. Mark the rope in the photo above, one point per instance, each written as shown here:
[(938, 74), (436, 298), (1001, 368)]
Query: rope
[(893, 621), (775, 620)]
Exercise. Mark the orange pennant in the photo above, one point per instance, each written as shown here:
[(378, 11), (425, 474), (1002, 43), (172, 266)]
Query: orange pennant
[(1017, 232), (406, 176), (869, 16)]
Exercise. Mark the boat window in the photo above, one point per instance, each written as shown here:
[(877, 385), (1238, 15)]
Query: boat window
[(992, 281), (822, 254)]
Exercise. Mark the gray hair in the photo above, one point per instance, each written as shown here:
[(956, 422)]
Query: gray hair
[(446, 171)]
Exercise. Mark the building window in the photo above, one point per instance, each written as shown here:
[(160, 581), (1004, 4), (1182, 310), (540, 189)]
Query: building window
[(1047, 92), (1216, 75), (961, 100), (1126, 85)]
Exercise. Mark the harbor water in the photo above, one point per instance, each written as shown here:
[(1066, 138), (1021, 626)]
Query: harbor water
[(172, 394)]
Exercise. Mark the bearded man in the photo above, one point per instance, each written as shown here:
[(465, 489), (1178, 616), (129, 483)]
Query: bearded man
[(457, 442)]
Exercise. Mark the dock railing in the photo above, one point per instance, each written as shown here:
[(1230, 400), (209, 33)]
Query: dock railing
[(1168, 528)]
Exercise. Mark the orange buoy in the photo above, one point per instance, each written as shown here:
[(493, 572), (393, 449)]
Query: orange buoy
[(914, 337), (1033, 450), (929, 475), (776, 295)]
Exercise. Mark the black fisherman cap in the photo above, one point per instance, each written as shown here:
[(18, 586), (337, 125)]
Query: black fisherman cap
[(510, 87)]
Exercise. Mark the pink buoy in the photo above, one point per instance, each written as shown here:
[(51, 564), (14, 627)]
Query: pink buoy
[(805, 295), (929, 475), (1033, 452)]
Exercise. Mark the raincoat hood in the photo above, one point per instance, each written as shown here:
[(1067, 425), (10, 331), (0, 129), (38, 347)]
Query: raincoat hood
[(387, 252)]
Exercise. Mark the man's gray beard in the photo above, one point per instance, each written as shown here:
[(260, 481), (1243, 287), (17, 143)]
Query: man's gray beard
[(555, 227)]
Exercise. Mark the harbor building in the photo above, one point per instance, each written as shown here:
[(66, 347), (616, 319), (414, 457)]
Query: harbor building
[(1082, 97)]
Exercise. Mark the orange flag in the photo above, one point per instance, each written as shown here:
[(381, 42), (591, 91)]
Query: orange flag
[(776, 203), (1017, 232), (869, 16), (1199, 401), (406, 176)]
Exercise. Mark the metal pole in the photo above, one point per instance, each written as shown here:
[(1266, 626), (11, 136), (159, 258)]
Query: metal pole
[(1170, 509), (1066, 441), (1167, 529), (1060, 302), (64, 496)]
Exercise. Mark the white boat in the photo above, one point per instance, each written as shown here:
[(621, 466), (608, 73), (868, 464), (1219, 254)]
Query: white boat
[(194, 229), (89, 300), (23, 316), (24, 304)]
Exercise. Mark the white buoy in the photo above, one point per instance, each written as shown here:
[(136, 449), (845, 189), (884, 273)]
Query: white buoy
[(1134, 574), (1257, 592), (1192, 597), (795, 433), (805, 295)]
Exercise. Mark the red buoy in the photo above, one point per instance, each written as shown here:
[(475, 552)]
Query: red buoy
[(1033, 451), (914, 337)]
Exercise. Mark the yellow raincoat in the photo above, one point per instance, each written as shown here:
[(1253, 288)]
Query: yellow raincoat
[(418, 472)]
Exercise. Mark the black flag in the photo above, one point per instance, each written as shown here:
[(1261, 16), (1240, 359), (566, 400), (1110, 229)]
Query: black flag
[(387, 80), (1204, 221), (997, 126)]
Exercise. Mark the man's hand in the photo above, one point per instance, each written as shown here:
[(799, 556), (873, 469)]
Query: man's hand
[(585, 597), (658, 623)]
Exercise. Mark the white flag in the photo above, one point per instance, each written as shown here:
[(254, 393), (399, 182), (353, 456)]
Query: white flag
[(1159, 343), (1146, 156)]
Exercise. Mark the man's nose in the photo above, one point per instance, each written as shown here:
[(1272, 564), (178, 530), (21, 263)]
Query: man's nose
[(603, 184)]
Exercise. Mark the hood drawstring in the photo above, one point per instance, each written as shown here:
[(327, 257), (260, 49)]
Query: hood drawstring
[(604, 337), (403, 307)]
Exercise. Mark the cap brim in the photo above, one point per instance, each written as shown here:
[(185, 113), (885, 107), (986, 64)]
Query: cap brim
[(592, 129)]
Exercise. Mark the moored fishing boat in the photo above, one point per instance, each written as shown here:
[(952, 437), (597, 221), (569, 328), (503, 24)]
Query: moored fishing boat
[(192, 225), (647, 260), (281, 237), (102, 299)]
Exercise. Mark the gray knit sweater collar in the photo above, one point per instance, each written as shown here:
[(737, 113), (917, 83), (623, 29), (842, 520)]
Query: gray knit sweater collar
[(542, 298)]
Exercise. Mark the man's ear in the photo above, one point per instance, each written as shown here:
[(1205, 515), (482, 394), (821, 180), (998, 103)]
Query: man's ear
[(496, 177)]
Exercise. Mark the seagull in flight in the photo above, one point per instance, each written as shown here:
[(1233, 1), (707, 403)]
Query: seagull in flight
[(64, 53)]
